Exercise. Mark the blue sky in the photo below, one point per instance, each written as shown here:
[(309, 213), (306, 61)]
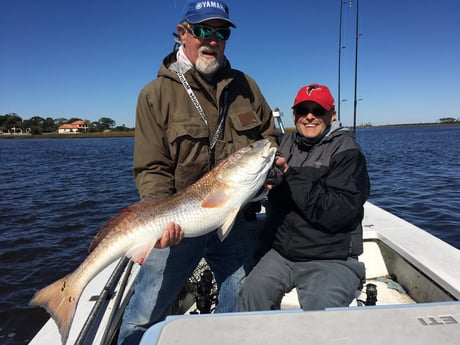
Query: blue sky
[(89, 59)]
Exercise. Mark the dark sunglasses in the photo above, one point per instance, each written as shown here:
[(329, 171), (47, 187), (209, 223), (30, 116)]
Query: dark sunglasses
[(316, 110), (204, 32)]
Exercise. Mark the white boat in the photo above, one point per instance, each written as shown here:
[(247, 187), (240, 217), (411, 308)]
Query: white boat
[(415, 275)]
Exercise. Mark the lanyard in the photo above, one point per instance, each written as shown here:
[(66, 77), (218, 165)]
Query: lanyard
[(196, 103)]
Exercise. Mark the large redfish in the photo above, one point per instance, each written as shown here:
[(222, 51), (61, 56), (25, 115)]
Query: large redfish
[(209, 204)]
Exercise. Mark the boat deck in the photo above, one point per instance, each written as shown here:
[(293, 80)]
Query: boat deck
[(399, 258), (418, 288), (418, 324)]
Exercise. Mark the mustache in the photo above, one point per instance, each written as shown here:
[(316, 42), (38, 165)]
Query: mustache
[(208, 50)]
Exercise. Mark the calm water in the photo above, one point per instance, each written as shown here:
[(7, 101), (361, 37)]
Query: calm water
[(57, 193)]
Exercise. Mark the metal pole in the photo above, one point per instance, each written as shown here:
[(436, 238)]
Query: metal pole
[(340, 56), (277, 115), (356, 68)]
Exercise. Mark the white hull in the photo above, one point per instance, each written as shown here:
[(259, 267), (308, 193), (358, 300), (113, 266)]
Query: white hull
[(425, 324), (396, 253)]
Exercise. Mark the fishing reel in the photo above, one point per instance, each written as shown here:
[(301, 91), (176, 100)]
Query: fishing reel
[(371, 295), (199, 295), (205, 297)]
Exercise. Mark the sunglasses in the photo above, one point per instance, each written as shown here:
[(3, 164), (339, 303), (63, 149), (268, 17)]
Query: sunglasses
[(204, 32), (315, 110)]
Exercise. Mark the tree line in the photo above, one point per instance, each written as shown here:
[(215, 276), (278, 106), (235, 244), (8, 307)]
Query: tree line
[(12, 122), (449, 120), (442, 120)]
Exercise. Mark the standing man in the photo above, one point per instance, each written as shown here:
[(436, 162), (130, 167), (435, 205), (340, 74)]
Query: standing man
[(317, 209), (193, 115)]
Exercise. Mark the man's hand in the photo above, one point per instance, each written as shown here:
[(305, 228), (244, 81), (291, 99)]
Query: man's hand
[(172, 235), (275, 176), (281, 163)]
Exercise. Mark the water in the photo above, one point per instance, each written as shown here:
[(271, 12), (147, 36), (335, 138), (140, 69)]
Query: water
[(57, 193), (415, 174)]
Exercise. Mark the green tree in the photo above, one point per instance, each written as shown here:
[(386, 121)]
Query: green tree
[(35, 123), (49, 125), (10, 120), (105, 123), (448, 120), (122, 128), (60, 121)]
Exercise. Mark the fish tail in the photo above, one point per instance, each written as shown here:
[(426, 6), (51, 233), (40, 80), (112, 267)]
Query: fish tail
[(60, 300)]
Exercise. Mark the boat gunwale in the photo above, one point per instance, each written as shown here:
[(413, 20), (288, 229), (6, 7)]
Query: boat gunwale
[(435, 261)]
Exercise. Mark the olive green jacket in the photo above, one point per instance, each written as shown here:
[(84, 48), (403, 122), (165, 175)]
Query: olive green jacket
[(171, 149)]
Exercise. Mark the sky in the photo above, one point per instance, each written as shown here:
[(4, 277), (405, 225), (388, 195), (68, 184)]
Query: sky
[(90, 58)]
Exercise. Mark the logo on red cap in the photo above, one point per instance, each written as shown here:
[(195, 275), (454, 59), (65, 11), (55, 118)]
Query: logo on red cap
[(316, 93), (310, 88)]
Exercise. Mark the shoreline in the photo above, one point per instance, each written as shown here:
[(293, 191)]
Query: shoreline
[(119, 134), (113, 134), (436, 124)]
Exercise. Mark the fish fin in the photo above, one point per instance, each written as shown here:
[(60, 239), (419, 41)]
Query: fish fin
[(224, 230), (60, 301), (217, 198), (139, 253), (124, 216)]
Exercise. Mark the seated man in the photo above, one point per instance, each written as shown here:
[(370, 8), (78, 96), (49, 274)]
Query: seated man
[(316, 213)]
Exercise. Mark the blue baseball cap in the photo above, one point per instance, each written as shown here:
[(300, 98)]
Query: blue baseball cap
[(200, 11)]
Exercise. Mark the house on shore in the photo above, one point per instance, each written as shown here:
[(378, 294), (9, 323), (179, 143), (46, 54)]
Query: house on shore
[(78, 126)]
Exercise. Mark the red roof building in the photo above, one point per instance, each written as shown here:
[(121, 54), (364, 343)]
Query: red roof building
[(78, 126)]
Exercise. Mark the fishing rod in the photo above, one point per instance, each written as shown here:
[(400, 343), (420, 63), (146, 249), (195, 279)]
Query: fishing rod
[(355, 102), (355, 97), (340, 56)]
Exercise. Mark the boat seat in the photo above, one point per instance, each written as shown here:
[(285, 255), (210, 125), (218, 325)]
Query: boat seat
[(388, 291)]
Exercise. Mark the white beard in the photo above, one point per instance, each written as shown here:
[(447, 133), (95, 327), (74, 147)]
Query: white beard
[(206, 66)]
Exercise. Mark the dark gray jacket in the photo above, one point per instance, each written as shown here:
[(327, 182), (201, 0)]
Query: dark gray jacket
[(320, 202)]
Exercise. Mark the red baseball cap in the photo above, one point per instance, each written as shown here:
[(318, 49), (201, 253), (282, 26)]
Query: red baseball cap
[(317, 93)]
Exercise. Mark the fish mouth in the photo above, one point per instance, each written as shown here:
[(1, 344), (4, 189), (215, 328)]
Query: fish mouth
[(271, 151), (256, 158), (267, 150)]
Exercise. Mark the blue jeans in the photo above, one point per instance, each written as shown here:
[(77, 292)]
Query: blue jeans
[(166, 271)]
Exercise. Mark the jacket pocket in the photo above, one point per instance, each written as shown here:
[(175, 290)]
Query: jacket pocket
[(192, 127), (188, 141)]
